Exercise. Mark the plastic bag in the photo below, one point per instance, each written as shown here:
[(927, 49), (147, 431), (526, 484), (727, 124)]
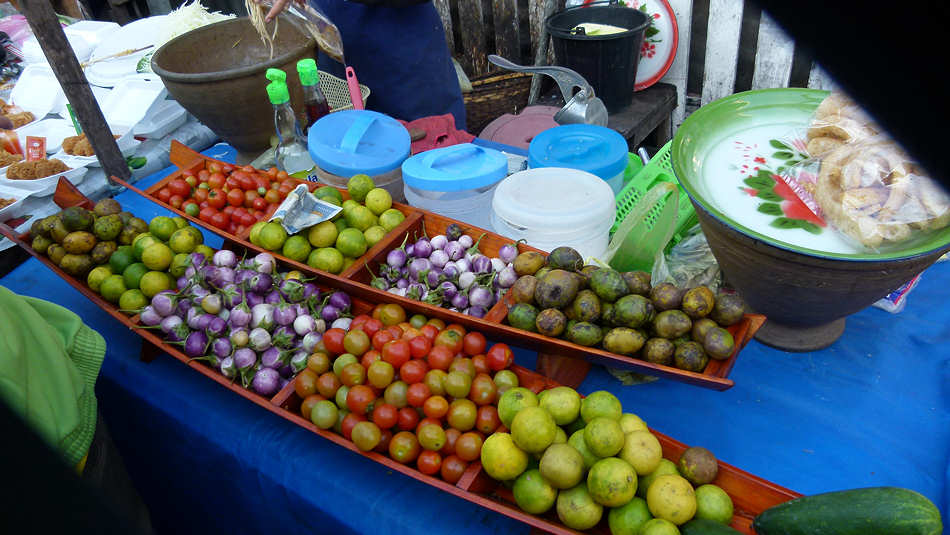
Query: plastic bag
[(690, 263), (320, 27), (837, 121)]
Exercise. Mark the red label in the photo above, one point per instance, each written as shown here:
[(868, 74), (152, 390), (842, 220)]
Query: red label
[(35, 148)]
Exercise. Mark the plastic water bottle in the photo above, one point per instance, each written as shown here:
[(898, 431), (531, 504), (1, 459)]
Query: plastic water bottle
[(291, 153), (315, 103)]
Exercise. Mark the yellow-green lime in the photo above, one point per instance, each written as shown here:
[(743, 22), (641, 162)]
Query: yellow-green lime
[(208, 252), (96, 276), (577, 509), (659, 526), (296, 248), (562, 465), (183, 240), (256, 232), (374, 235), (562, 402), (157, 257), (326, 259), (142, 242), (577, 442), (629, 518), (642, 450), (121, 259), (665, 468), (133, 274), (180, 263), (612, 482), (630, 422), (712, 503), (512, 401), (560, 437), (162, 227), (672, 498), (132, 300), (351, 243), (180, 222), (349, 205), (325, 193), (501, 458), (112, 288), (378, 200), (359, 217), (391, 219), (199, 237), (603, 436), (601, 404), (272, 236), (533, 429), (323, 234), (533, 493), (153, 282), (359, 186), (347, 262)]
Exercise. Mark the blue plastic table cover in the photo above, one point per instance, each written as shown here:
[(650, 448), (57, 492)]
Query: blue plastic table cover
[(870, 410)]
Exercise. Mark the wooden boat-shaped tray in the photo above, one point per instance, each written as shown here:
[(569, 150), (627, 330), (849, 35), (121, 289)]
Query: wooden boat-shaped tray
[(356, 278), (750, 494)]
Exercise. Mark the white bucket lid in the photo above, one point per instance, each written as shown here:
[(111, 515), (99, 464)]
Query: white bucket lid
[(549, 197)]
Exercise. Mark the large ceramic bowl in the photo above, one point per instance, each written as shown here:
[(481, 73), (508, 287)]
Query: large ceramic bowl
[(803, 276)]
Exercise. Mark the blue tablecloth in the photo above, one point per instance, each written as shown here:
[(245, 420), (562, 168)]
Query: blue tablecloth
[(870, 410)]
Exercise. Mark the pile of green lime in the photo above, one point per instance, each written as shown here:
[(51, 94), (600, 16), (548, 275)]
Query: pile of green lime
[(333, 245)]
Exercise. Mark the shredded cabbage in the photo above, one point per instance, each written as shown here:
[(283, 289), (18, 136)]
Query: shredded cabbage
[(189, 16)]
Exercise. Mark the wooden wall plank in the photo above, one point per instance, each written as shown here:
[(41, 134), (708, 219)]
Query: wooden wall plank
[(507, 31), (474, 49), (818, 78), (679, 70), (774, 53), (722, 49), (445, 12)]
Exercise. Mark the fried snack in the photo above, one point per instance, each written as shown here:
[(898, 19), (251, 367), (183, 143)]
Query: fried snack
[(6, 158), (20, 119), (79, 145), (6, 202), (838, 120), (35, 169), (874, 193)]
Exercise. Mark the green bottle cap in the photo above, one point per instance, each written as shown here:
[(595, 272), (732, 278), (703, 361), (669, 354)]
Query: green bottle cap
[(307, 69), (277, 89)]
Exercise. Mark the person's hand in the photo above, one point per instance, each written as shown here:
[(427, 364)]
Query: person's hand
[(277, 7)]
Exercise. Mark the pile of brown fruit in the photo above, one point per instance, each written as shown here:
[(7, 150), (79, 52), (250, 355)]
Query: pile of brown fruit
[(592, 306)]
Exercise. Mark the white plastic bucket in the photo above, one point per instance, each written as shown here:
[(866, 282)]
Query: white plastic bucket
[(472, 206), (551, 207)]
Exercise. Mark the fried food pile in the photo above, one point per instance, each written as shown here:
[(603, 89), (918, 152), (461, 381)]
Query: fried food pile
[(6, 158), (6, 202), (867, 186), (17, 116), (35, 169), (79, 145)]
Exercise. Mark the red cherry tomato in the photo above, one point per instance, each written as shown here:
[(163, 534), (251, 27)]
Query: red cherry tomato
[(372, 326), (385, 415), (381, 338), (429, 331), (499, 357), (349, 422), (178, 186), (395, 352), (201, 195), (217, 198), (417, 394), (413, 371), (407, 419), (236, 197), (358, 322), (333, 340), (429, 462), (473, 343), (176, 201), (440, 358), (220, 220), (164, 194), (216, 181), (419, 346)]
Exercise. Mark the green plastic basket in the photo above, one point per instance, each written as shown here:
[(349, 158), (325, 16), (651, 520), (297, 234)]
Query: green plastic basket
[(659, 169)]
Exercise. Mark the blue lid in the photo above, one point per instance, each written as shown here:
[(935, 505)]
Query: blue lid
[(595, 149), (455, 168), (350, 142)]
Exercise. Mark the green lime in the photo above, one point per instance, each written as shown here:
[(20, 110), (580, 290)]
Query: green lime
[(208, 252), (272, 236), (629, 518), (601, 403), (133, 274), (132, 301), (533, 493), (712, 503), (192, 209), (360, 217), (199, 238), (153, 282), (351, 243), (296, 248), (659, 526), (121, 259), (340, 224), (157, 257), (379, 200), (141, 242), (256, 231), (359, 186), (96, 276), (391, 219), (347, 262), (179, 264), (326, 259), (323, 234), (180, 222), (162, 227), (183, 241), (112, 288), (326, 193), (374, 235), (349, 205)]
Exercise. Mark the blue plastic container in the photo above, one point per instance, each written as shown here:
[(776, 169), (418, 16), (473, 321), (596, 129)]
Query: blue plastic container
[(586, 147)]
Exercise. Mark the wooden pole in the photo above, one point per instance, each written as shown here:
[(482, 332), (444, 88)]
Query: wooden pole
[(49, 33)]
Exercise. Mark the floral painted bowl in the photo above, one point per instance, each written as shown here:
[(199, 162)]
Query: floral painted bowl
[(787, 263)]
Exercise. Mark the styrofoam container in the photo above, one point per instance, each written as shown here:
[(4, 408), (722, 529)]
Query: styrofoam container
[(161, 119), (37, 90), (551, 207), (587, 147), (456, 181), (54, 130), (33, 53), (130, 100), (13, 210), (99, 93), (41, 187), (94, 32)]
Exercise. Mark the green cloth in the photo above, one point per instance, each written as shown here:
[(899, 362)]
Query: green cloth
[(49, 362)]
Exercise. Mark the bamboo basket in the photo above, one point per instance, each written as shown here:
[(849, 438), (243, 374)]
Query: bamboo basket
[(494, 95)]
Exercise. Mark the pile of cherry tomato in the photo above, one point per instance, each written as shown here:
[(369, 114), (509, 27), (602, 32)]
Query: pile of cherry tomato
[(228, 197), (423, 392)]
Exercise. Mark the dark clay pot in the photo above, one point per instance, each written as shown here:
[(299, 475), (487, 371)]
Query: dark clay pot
[(216, 72)]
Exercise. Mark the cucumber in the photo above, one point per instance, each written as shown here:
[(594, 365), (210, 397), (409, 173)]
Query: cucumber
[(704, 526), (869, 511)]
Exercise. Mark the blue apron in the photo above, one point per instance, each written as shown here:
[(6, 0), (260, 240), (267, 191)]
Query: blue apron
[(401, 55)]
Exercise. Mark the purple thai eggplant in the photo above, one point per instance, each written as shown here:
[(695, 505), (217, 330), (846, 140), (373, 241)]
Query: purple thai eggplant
[(422, 248), (217, 327), (149, 317), (273, 297), (221, 347), (266, 382), (270, 358), (196, 344), (261, 283), (253, 299), (224, 258), (244, 359), (341, 301), (508, 252), (227, 368), (284, 314), (292, 290)]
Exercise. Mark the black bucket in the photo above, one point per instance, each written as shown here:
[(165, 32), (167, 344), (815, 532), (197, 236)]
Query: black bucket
[(607, 62)]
